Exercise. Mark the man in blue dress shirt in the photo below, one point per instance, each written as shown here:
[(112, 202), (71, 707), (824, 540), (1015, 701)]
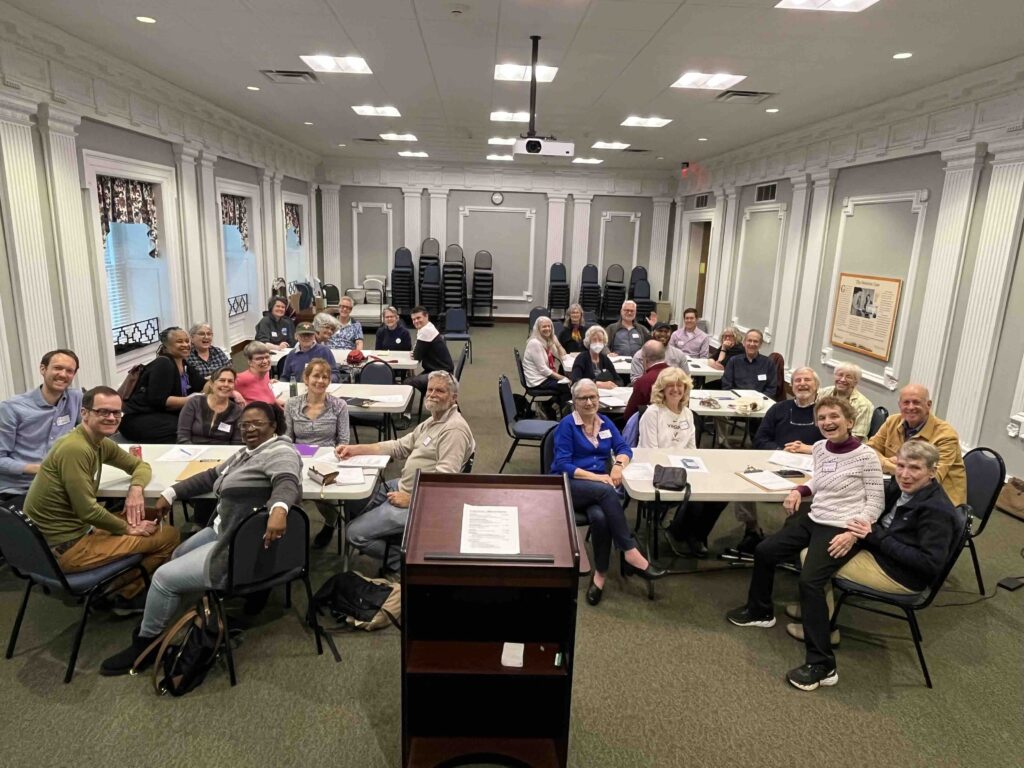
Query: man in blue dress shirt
[(32, 422)]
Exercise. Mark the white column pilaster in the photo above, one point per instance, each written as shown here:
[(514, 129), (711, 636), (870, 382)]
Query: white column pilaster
[(810, 279), (659, 244), (213, 254), (990, 285), (312, 253), (727, 257), (185, 160), (439, 217), (25, 234), (580, 239), (714, 257), (556, 229), (676, 267), (792, 265), (80, 276), (331, 216), (277, 208), (413, 235), (959, 190), (266, 228)]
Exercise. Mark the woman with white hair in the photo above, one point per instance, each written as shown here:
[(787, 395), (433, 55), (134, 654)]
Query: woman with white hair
[(205, 358), (324, 326), (593, 362), (541, 362), (847, 377)]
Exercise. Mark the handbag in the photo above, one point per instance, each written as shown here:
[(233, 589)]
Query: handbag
[(669, 478)]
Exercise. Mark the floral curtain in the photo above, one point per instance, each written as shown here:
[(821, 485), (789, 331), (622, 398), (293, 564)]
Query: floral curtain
[(126, 201), (234, 211), (293, 218)]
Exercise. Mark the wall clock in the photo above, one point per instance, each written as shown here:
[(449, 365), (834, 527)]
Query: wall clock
[(497, 198)]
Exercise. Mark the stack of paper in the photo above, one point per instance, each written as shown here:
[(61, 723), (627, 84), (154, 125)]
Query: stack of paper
[(802, 461), (371, 461), (182, 453)]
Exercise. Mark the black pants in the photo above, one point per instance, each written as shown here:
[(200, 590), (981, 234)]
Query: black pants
[(156, 427), (603, 507), (696, 521), (14, 500), (818, 569)]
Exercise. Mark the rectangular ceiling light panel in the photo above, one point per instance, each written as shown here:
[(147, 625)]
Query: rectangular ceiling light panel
[(510, 117), (497, 140), (608, 145), (369, 111), (413, 154), (398, 137), (521, 74), (716, 82), (503, 158), (841, 6), (349, 65), (645, 122)]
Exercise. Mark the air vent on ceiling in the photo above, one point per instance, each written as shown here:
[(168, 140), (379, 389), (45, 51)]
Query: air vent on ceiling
[(764, 193), (640, 151), (701, 201), (743, 97), (290, 76)]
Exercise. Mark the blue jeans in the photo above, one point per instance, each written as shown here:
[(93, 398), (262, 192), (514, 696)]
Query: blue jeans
[(381, 520), (603, 507), (184, 573)]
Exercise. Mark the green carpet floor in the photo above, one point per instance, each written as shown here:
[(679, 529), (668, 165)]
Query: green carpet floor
[(663, 683)]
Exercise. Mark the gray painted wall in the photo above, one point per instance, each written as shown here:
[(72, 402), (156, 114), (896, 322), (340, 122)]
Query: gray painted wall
[(101, 137), (229, 169), (618, 247), (288, 184), (372, 230)]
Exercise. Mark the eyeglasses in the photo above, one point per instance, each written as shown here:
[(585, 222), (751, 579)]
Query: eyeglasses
[(587, 398), (106, 413), (246, 426)]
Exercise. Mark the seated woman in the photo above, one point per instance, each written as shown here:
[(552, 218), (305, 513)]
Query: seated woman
[(584, 443), (166, 384), (317, 418), (274, 328), (572, 333), (541, 361), (324, 326), (350, 332), (847, 486), (205, 358), (393, 335), (253, 384), (212, 419), (265, 473), (729, 339), (593, 363)]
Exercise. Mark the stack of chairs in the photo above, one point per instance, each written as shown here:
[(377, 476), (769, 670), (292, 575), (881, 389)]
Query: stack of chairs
[(638, 273), (430, 255), (453, 277), (483, 286), (642, 297), (558, 288), (403, 281), (431, 295), (614, 292), (590, 290)]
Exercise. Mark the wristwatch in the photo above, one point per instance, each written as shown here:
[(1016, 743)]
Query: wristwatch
[(619, 464)]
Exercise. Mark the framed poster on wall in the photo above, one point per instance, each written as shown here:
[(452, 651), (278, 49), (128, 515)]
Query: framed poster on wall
[(864, 315)]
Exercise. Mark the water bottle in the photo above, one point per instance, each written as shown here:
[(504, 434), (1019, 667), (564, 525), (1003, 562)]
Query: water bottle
[(293, 387)]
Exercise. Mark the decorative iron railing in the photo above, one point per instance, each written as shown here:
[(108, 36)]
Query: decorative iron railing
[(238, 305), (136, 335)]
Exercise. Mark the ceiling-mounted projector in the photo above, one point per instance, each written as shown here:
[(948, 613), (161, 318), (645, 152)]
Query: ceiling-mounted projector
[(544, 147)]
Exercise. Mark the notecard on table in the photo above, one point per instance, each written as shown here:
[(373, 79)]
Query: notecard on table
[(639, 471), (377, 461), (802, 461), (512, 654), (689, 463), (489, 530), (349, 476), (767, 480), (611, 401)]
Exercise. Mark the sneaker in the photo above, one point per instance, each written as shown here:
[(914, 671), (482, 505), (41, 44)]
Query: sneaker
[(744, 617), (810, 676), (323, 538), (796, 631), (122, 606), (745, 549), (793, 611)]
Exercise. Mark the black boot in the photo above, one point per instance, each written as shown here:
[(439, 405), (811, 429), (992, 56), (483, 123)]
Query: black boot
[(121, 663), (323, 538)]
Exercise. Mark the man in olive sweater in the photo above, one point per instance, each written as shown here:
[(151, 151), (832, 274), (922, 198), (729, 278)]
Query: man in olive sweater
[(62, 498)]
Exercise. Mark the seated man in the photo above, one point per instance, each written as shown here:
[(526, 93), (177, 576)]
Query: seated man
[(274, 328), (906, 548), (307, 349), (32, 422), (915, 421), (847, 377), (430, 349), (62, 500), (675, 358), (788, 426), (691, 340), (442, 443), (751, 370), (626, 336), (654, 354)]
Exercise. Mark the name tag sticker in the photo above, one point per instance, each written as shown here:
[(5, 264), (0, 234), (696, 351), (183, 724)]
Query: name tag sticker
[(273, 334), (605, 434), (828, 466), (635, 335), (224, 426), (762, 377), (62, 420), (426, 440)]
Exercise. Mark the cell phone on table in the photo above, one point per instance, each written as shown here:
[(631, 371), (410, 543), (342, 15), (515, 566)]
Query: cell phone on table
[(789, 473)]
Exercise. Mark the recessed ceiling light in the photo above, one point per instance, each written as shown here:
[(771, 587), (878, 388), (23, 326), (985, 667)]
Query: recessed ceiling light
[(146, 19), (772, 110), (504, 158), (660, 157), (252, 87), (701, 139), (342, 145), (307, 123), (645, 122), (367, 111), (717, 82), (608, 145), (500, 141), (408, 153), (398, 137), (349, 65), (510, 117), (843, 6), (588, 160), (521, 73), (904, 55)]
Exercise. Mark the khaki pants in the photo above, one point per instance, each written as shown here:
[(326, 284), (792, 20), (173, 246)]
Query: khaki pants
[(863, 569), (99, 547)]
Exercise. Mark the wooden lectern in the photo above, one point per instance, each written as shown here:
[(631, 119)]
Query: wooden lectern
[(458, 702)]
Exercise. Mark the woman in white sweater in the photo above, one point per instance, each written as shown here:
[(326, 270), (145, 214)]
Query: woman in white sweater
[(668, 423), (541, 361), (846, 486)]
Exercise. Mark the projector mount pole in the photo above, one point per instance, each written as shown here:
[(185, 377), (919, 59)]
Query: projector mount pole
[(532, 132)]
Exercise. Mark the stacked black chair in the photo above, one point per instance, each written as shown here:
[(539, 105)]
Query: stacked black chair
[(614, 292), (430, 255), (453, 277), (558, 288), (642, 297), (332, 296), (637, 274), (590, 290), (430, 288), (483, 285), (403, 281)]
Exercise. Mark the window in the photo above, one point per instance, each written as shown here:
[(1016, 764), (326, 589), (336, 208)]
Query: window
[(296, 266), (134, 281), (701, 201), (765, 193)]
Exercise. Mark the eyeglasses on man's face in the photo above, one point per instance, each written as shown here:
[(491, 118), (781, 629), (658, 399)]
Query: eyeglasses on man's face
[(106, 413)]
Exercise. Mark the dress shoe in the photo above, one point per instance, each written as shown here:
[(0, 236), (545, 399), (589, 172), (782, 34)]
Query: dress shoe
[(594, 594), (697, 547), (650, 573)]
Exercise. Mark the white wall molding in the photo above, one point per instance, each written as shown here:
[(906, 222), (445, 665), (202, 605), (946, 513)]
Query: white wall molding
[(580, 239), (385, 209), (780, 211), (890, 378), (314, 239), (185, 161), (822, 187), (213, 253), (633, 217), (681, 255), (1015, 425), (276, 218), (660, 220), (791, 270), (412, 238), (531, 216), (959, 191), (556, 229), (240, 326), (439, 218), (330, 211), (720, 278)]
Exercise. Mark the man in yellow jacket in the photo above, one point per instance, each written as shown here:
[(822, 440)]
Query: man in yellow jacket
[(915, 421)]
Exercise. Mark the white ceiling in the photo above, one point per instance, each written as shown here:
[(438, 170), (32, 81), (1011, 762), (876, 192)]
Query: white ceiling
[(615, 58)]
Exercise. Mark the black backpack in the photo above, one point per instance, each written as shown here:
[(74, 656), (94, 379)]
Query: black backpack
[(131, 382), (356, 602), (182, 666)]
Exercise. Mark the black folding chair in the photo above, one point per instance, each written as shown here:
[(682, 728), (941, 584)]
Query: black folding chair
[(878, 417), (520, 429), (986, 474)]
